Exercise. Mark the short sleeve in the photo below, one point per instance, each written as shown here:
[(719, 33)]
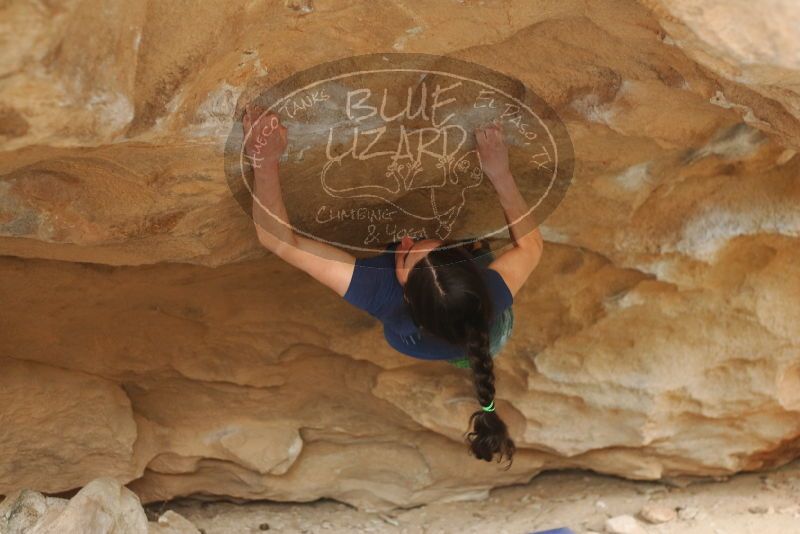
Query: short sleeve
[(498, 289), (370, 286)]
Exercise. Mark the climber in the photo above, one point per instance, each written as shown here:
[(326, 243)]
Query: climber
[(436, 302)]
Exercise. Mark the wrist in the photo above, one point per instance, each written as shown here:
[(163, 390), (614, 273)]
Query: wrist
[(266, 172), (266, 178), (263, 165)]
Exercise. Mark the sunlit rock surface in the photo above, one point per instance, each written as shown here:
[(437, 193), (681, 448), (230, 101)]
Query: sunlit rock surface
[(145, 335), (102, 506)]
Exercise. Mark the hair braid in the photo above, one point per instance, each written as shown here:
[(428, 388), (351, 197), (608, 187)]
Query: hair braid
[(490, 434), (449, 298)]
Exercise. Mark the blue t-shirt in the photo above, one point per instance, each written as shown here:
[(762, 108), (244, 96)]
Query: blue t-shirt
[(375, 289)]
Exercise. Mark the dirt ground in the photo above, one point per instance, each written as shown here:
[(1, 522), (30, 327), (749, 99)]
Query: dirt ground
[(752, 503)]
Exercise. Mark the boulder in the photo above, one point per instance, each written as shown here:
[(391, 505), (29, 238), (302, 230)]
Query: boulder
[(103, 506), (146, 336)]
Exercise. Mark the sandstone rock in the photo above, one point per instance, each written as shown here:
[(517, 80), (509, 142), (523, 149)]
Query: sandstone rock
[(147, 337), (761, 509), (62, 428), (655, 513), (624, 524), (22, 510), (753, 45), (102, 507)]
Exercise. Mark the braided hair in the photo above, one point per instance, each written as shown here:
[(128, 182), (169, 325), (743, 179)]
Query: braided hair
[(448, 298)]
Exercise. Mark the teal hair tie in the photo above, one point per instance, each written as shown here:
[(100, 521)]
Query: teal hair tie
[(489, 408)]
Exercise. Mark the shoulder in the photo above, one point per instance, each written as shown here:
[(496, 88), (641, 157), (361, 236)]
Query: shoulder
[(374, 286), (517, 264), (498, 289)]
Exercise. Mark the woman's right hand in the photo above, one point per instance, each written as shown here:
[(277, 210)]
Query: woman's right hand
[(266, 137), (493, 153)]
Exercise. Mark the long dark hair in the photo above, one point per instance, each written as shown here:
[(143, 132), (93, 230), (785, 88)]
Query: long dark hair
[(448, 298)]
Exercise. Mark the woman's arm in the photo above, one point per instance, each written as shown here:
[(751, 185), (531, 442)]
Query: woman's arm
[(517, 264), (264, 145)]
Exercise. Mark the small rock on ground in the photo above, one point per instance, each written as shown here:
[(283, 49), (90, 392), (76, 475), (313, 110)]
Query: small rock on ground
[(624, 524), (656, 513)]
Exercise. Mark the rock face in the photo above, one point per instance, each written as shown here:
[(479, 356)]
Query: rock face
[(104, 506), (147, 336)]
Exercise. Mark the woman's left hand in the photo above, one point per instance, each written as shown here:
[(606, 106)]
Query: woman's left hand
[(265, 137)]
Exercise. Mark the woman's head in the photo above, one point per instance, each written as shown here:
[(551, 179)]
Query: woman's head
[(448, 297), (409, 252)]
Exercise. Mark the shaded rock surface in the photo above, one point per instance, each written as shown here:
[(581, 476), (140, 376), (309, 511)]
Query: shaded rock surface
[(146, 335)]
